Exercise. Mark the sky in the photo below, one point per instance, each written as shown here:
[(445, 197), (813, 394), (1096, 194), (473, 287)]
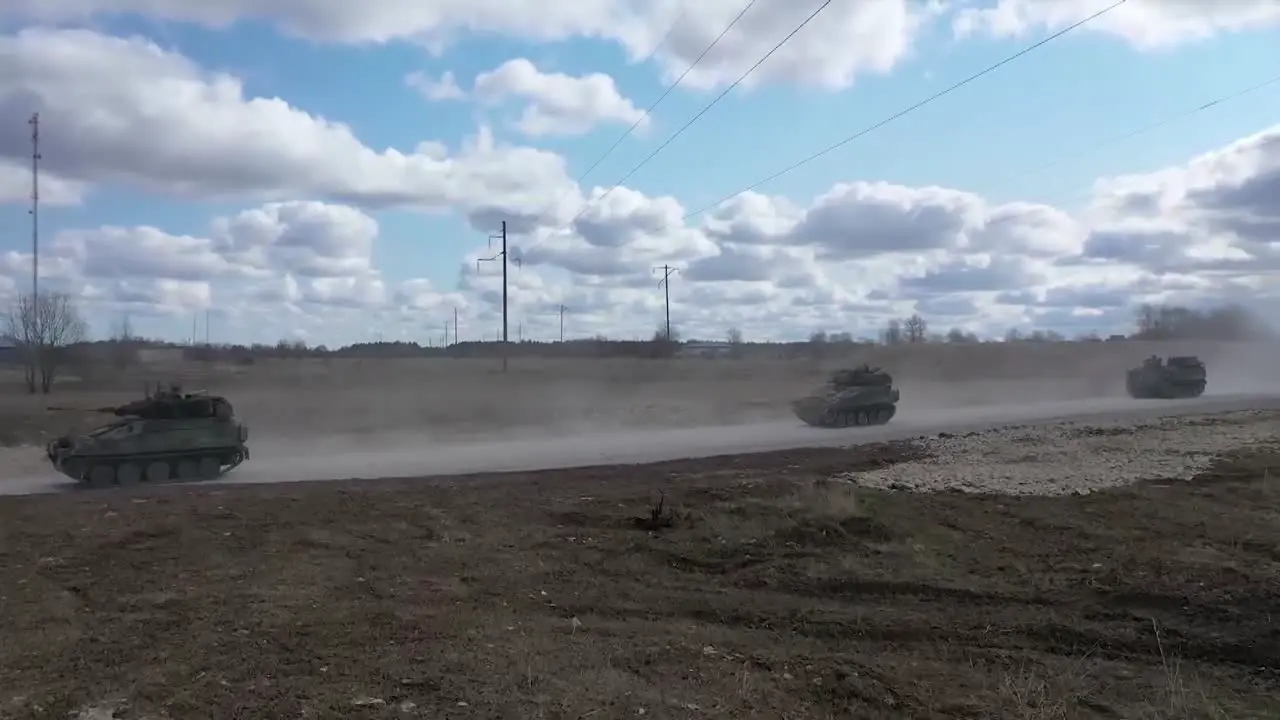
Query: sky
[(332, 172)]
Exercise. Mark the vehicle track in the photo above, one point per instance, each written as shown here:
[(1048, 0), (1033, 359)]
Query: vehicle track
[(325, 461)]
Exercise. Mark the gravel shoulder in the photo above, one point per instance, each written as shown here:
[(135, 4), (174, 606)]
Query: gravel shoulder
[(1071, 457), (781, 589)]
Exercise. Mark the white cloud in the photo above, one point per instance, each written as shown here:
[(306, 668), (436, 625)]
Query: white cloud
[(299, 258), (848, 260), (558, 104), (446, 88), (553, 103), (848, 39), (15, 186), (126, 112), (1148, 24)]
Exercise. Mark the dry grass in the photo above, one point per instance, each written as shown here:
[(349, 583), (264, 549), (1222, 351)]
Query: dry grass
[(776, 593)]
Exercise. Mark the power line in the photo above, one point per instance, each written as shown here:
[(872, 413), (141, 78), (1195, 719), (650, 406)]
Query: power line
[(1148, 128), (712, 104), (587, 205), (672, 86), (911, 109), (669, 88)]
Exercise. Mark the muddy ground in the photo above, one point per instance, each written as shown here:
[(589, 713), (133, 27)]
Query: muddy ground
[(777, 592)]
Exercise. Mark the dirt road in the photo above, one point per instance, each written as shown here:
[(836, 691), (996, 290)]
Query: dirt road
[(24, 470), (782, 589)]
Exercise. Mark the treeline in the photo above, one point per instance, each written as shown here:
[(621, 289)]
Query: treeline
[(1151, 322)]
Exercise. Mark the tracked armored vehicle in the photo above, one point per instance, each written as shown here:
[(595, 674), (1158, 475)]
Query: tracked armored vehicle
[(851, 397), (1178, 377), (168, 435)]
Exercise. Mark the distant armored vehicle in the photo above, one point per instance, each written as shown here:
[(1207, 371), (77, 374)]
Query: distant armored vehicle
[(168, 435), (1179, 377), (851, 397)]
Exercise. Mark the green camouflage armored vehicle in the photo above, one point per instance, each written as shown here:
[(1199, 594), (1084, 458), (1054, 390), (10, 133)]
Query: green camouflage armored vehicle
[(1178, 377), (851, 397), (169, 435)]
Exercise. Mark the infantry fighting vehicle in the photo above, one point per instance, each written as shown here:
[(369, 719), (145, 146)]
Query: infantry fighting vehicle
[(168, 435), (1178, 377), (851, 397)]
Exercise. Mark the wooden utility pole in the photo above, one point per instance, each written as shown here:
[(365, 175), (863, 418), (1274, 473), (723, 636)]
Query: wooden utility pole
[(501, 254), (34, 122), (665, 284), (562, 309)]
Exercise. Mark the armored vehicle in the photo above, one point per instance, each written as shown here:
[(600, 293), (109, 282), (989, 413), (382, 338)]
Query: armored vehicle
[(851, 397), (1178, 377), (168, 435)]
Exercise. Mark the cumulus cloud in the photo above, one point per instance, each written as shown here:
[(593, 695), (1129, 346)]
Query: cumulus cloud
[(557, 103), (850, 38), (847, 260), (862, 252), (125, 111), (15, 186)]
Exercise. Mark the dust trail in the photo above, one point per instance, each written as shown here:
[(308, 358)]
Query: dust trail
[(295, 462)]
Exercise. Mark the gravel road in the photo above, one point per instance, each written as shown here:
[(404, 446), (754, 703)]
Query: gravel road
[(27, 471)]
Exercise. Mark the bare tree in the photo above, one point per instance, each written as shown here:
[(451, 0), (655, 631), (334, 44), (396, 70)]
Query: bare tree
[(1170, 322), (959, 337), (915, 329), (45, 328), (660, 335), (735, 336), (122, 331)]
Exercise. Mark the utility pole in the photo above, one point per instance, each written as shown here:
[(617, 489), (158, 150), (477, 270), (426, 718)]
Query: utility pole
[(195, 322), (34, 122), (502, 254), (562, 309), (665, 284), (455, 325), (520, 333), (206, 327), (446, 334)]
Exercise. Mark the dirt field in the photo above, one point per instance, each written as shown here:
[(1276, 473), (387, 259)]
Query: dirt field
[(782, 589), (444, 399)]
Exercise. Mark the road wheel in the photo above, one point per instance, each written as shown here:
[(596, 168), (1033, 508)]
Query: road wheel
[(188, 470), (210, 468), (128, 474), (76, 469), (102, 475), (158, 472)]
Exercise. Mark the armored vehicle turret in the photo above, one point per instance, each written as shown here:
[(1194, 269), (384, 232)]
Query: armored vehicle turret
[(168, 435), (858, 396), (1181, 376)]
